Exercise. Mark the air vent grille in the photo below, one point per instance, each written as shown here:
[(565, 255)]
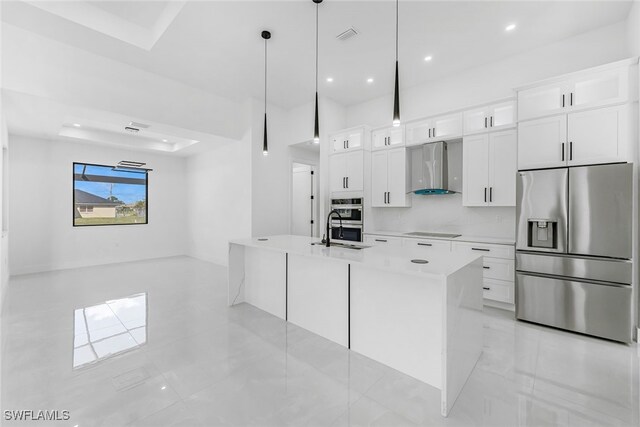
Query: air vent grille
[(346, 35)]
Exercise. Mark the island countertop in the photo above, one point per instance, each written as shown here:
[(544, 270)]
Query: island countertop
[(390, 259)]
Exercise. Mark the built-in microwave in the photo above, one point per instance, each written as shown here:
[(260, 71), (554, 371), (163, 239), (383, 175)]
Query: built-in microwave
[(352, 233), (351, 212)]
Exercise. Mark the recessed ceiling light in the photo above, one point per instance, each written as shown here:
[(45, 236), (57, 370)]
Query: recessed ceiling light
[(510, 27), (329, 79), (163, 387), (370, 80), (76, 125), (164, 140), (428, 58)]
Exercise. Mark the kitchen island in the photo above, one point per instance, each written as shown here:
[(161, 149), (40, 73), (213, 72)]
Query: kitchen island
[(421, 318)]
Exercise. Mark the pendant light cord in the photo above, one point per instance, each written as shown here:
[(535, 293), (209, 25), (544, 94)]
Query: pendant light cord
[(397, 30), (265, 76), (317, 5)]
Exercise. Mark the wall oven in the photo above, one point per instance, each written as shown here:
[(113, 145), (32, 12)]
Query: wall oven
[(351, 211)]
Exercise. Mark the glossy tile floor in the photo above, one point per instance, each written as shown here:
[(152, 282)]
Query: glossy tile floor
[(155, 344)]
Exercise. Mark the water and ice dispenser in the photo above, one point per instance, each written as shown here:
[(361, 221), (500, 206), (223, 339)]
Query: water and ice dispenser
[(543, 233)]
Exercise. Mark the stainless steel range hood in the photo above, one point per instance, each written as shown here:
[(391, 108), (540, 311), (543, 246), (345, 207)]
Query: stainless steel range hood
[(429, 169)]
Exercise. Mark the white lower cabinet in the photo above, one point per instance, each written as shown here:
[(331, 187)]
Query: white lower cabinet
[(498, 269), (376, 240), (427, 245)]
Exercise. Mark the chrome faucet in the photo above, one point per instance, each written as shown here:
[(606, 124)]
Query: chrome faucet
[(328, 231)]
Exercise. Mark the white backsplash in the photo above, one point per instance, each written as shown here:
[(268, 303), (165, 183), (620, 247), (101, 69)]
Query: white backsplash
[(444, 213)]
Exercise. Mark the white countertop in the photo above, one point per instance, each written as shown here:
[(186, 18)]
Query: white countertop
[(462, 238), (381, 257)]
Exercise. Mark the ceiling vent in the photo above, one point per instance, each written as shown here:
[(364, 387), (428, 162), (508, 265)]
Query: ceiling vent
[(346, 35)]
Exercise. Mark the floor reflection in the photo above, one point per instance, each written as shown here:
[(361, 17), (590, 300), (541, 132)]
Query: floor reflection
[(108, 329)]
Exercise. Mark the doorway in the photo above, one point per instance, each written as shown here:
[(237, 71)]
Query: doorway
[(304, 203)]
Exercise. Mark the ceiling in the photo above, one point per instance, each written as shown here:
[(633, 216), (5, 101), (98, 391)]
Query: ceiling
[(216, 45)]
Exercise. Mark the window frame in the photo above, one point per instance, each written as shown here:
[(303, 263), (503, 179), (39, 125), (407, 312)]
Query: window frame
[(73, 196)]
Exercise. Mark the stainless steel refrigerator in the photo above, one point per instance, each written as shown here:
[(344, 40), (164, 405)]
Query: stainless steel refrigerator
[(574, 249)]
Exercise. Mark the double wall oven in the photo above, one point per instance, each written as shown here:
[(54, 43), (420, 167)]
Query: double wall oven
[(351, 211)]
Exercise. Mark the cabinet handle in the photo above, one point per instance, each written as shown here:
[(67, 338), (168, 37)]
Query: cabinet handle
[(347, 177), (343, 184), (481, 249), (424, 244), (434, 132), (570, 150), (429, 132), (563, 100), (486, 288), (485, 122), (389, 197), (571, 99), (491, 194), (486, 268), (485, 194), (491, 122), (563, 151), (381, 240), (347, 143)]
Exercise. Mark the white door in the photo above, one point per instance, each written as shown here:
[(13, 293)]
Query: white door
[(301, 201), (475, 170), (596, 136), (355, 170), (598, 89), (397, 177), (418, 132), (354, 140), (396, 136), (447, 126), (379, 139), (542, 101), (476, 120), (337, 172), (542, 143), (502, 115), (339, 143), (379, 178), (503, 168)]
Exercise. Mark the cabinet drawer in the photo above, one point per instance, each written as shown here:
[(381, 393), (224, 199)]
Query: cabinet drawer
[(383, 240), (428, 245), (486, 249), (498, 290), (499, 268)]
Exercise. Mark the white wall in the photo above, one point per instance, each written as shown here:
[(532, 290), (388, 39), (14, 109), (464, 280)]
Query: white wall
[(218, 185), (478, 85), (40, 214)]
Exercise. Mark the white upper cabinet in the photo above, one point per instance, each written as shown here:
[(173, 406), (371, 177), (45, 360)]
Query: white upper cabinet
[(542, 143), (490, 117), (579, 91), (440, 128), (489, 169), (346, 172), (347, 141), (598, 136), (389, 178), (388, 138)]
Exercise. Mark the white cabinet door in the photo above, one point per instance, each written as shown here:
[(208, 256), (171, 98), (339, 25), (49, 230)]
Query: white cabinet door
[(476, 120), (502, 168), (379, 178), (447, 127), (355, 170), (397, 178), (379, 139), (542, 101), (354, 140), (418, 132), (396, 136), (383, 240), (428, 245), (599, 89), (475, 170), (337, 172), (542, 143), (598, 136), (338, 143), (503, 115)]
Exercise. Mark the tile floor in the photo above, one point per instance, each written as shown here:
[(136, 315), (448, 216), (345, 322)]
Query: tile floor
[(182, 357)]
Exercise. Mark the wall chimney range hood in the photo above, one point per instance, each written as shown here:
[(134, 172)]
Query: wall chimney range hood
[(429, 169)]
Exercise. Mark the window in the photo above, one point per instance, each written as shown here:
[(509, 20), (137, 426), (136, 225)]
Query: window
[(108, 195)]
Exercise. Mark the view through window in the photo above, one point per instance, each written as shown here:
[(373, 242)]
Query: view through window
[(105, 195)]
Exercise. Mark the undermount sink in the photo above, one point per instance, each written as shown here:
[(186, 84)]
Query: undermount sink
[(341, 245)]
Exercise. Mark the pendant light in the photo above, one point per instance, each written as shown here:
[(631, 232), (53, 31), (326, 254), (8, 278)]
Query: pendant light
[(316, 126), (396, 93), (266, 35)]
